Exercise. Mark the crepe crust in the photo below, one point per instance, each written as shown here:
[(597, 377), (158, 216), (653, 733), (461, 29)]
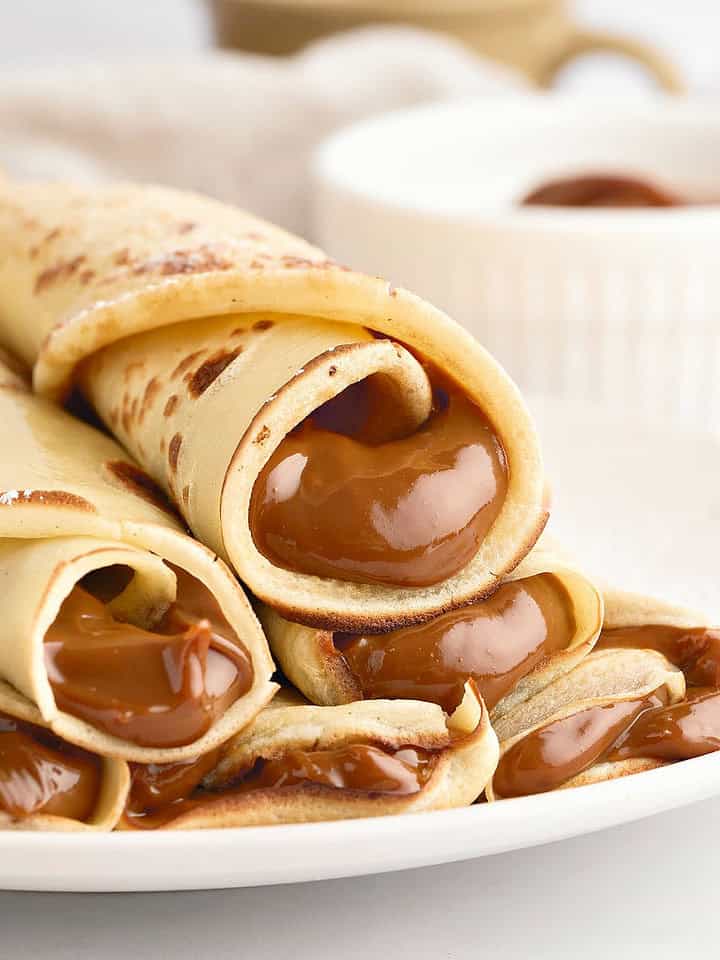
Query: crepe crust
[(92, 521), (624, 609), (604, 677), (84, 269), (113, 790), (465, 743), (310, 660)]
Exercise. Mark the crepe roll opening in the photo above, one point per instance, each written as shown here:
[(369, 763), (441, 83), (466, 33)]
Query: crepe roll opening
[(162, 683), (360, 491), (618, 712), (553, 754), (511, 644), (496, 642)]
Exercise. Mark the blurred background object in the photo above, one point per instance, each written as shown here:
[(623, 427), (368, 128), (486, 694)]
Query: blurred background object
[(615, 306), (537, 37), (241, 128)]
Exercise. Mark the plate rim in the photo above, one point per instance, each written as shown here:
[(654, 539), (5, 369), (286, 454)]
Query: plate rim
[(296, 853)]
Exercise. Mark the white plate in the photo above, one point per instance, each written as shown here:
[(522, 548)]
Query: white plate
[(644, 500)]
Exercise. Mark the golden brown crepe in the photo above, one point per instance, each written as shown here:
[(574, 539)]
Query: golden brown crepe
[(111, 794), (458, 755), (72, 503), (565, 736), (314, 661), (207, 336)]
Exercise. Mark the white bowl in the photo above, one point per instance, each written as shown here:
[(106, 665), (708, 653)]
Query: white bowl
[(614, 306)]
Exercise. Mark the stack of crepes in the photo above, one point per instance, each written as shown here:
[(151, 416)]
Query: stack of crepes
[(373, 479)]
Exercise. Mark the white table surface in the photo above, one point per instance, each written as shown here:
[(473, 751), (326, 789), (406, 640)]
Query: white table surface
[(645, 890)]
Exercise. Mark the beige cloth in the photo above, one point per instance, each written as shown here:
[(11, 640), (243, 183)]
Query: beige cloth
[(240, 128)]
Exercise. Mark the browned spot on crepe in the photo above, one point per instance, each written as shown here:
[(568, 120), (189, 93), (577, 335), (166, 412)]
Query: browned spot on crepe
[(200, 260), (174, 451), (263, 325), (86, 276), (62, 270), (50, 498), (186, 226), (185, 364), (135, 480), (122, 257), (131, 368), (262, 435), (125, 418), (238, 332), (210, 370), (170, 405), (152, 388)]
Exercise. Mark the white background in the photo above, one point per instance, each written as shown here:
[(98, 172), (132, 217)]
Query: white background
[(646, 890)]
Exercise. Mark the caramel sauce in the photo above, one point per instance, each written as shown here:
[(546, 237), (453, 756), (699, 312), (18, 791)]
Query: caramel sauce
[(338, 500), (159, 786), (164, 793), (601, 191), (552, 754), (496, 642), (680, 731), (159, 688), (696, 651), (658, 731), (41, 774)]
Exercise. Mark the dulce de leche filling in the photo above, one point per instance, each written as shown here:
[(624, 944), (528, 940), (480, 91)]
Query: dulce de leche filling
[(696, 651), (343, 496), (41, 774), (155, 688), (496, 642), (676, 732), (552, 754), (601, 191), (161, 793), (654, 731)]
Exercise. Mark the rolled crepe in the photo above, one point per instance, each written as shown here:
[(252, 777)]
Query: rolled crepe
[(572, 732), (689, 640), (299, 763), (540, 623), (46, 784), (203, 337), (130, 639)]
